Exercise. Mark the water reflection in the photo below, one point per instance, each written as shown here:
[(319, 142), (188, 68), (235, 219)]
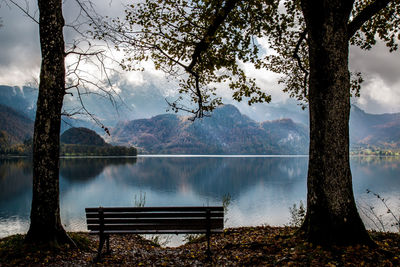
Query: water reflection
[(262, 189), (15, 195), (211, 177), (15, 178), (85, 169), (380, 175)]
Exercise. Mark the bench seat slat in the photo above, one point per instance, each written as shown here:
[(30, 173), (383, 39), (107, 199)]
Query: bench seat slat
[(188, 221), (143, 209), (155, 226), (153, 215), (140, 232)]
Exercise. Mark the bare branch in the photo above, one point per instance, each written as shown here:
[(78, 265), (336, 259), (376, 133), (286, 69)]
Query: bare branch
[(96, 120), (371, 215), (84, 8), (24, 10), (72, 114), (198, 113), (66, 122), (68, 88), (84, 54), (86, 82)]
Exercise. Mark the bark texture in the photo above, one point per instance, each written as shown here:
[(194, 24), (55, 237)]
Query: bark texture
[(46, 224), (332, 216)]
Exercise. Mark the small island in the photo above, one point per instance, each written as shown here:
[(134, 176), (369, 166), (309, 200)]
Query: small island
[(85, 142), (73, 142)]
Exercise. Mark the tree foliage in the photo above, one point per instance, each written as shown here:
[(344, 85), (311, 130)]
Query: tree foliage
[(203, 43), (288, 37), (374, 20), (178, 37), (4, 141)]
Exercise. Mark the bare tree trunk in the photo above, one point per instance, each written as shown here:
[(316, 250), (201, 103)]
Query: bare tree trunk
[(46, 224), (332, 216)]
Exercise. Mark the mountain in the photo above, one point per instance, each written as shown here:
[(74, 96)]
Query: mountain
[(18, 107), (227, 131), (16, 125), (82, 136), (381, 130), (23, 100), (275, 111)]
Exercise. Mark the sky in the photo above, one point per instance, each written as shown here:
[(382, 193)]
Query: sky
[(144, 92)]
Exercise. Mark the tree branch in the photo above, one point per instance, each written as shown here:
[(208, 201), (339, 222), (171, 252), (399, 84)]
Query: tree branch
[(25, 11), (96, 120), (367, 13), (296, 56), (204, 44), (220, 16), (84, 8), (84, 54)]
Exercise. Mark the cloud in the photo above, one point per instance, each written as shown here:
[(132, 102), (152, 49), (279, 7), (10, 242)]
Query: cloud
[(380, 91), (378, 95), (20, 50), (267, 81), (377, 62), (20, 63), (20, 56)]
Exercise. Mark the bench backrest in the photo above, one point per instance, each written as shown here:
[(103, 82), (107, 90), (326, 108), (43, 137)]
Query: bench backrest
[(149, 220)]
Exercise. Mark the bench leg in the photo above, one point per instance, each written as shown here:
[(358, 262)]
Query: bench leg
[(208, 252), (101, 233), (101, 243), (208, 233), (108, 244)]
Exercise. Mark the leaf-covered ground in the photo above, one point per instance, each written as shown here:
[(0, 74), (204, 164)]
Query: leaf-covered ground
[(247, 246)]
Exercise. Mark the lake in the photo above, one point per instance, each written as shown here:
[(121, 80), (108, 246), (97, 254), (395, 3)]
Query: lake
[(262, 188)]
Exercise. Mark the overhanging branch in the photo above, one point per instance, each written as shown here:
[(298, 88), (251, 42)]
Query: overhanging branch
[(221, 14), (367, 13), (205, 42)]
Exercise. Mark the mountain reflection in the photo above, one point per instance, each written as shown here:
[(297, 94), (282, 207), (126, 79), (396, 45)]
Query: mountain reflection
[(209, 177), (85, 169), (15, 177), (212, 177), (380, 174)]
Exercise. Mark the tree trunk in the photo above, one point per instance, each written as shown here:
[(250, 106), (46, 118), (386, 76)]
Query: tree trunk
[(332, 216), (46, 224)]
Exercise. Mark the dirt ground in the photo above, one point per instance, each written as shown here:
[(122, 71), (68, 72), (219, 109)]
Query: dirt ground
[(247, 246)]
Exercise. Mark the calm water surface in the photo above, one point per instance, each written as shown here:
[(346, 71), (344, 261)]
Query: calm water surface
[(261, 188)]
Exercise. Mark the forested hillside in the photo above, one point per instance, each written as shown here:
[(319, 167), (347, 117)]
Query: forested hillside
[(85, 142), (16, 125), (227, 131), (374, 131)]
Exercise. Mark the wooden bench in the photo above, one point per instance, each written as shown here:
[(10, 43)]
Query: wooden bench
[(104, 221)]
